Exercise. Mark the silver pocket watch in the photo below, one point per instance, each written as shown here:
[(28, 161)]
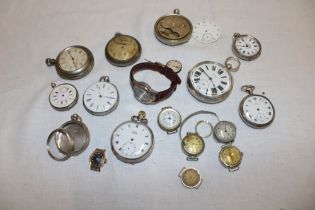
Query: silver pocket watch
[(246, 47), (73, 62), (133, 141), (211, 82), (101, 98), (63, 97), (255, 110)]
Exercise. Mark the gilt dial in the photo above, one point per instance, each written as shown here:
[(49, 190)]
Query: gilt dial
[(230, 156), (225, 131), (209, 82), (63, 96), (101, 98), (132, 142), (190, 177), (246, 47), (193, 144)]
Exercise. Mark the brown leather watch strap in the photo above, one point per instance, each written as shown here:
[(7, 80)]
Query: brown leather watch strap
[(164, 70)]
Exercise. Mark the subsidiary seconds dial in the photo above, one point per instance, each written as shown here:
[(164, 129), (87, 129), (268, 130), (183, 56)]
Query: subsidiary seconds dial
[(209, 82)]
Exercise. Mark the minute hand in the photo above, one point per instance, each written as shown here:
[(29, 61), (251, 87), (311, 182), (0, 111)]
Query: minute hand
[(210, 78)]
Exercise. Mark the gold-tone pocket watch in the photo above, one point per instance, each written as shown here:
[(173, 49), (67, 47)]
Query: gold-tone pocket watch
[(122, 50), (173, 29)]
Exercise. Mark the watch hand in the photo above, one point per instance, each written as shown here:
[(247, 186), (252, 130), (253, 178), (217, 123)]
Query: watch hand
[(171, 30), (120, 42), (108, 97), (72, 59), (210, 78)]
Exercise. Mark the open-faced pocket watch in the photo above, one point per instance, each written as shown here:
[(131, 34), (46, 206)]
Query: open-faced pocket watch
[(190, 178), (63, 97), (169, 119), (74, 62), (246, 47), (211, 82), (101, 98), (255, 110), (173, 29), (122, 50), (230, 157), (133, 141), (72, 138)]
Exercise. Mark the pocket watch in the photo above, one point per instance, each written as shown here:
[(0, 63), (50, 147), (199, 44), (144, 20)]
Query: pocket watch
[(211, 82), (133, 141), (72, 138), (225, 132), (193, 145), (97, 159), (63, 97), (169, 120), (122, 50), (190, 177), (246, 47), (101, 98), (256, 110), (74, 62), (173, 29), (231, 157)]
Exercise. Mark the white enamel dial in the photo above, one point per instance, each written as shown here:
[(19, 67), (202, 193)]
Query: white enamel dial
[(246, 46), (101, 98), (257, 110), (63, 96), (72, 58), (132, 142), (169, 119), (210, 80), (206, 32), (225, 131)]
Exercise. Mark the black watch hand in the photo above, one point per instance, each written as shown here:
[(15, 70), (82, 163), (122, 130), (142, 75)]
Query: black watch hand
[(72, 58)]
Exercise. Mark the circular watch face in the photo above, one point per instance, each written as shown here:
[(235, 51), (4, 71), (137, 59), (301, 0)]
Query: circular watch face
[(225, 132), (169, 119), (122, 50), (209, 82), (63, 96), (175, 65), (74, 62), (101, 98), (190, 178), (246, 47), (193, 144), (206, 32), (257, 111), (173, 29), (230, 156), (132, 142)]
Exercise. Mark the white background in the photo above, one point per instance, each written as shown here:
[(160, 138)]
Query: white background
[(277, 171)]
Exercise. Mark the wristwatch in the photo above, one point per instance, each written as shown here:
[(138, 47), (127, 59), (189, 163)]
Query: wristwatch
[(143, 92), (97, 159)]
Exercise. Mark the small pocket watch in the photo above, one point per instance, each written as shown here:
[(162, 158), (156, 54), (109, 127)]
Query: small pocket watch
[(225, 132), (74, 62), (133, 141), (97, 159), (190, 177), (246, 47), (256, 111), (169, 120), (63, 97), (211, 82), (193, 145), (231, 157), (101, 98), (173, 29), (122, 50)]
